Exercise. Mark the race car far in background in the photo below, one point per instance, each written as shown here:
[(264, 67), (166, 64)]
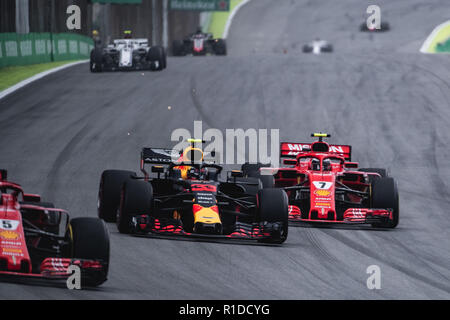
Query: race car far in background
[(128, 54), (384, 26), (39, 241), (199, 44), (323, 185), (186, 198), (318, 46)]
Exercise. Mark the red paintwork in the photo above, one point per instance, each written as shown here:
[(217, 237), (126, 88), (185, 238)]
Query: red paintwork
[(322, 183), (13, 247)]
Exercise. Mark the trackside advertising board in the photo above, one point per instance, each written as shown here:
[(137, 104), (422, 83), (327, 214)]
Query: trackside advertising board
[(200, 5), (22, 49)]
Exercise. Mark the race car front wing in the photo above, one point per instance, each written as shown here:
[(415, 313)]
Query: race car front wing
[(351, 216), (147, 225)]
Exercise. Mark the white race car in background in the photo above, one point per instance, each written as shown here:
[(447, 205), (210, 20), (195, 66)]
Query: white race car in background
[(318, 46), (128, 54)]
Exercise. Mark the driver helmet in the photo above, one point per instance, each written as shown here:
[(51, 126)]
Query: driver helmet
[(127, 34), (326, 165), (190, 154), (315, 164)]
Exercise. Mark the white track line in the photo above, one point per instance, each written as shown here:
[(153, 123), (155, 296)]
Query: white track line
[(231, 17), (426, 45), (38, 76)]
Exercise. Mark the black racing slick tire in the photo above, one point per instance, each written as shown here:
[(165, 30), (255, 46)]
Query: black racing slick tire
[(385, 196), (157, 54), (96, 60), (90, 240), (109, 190), (220, 47), (273, 207), (136, 198)]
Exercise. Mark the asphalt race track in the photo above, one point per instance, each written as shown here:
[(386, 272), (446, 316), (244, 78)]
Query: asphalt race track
[(375, 92)]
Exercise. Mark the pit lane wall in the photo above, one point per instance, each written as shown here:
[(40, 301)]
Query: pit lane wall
[(22, 49)]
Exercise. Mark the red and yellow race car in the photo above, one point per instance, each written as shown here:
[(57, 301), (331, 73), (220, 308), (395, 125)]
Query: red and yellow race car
[(38, 240), (325, 186), (186, 198)]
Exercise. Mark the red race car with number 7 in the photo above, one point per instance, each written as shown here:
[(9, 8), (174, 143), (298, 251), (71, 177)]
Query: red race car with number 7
[(325, 186), (41, 242)]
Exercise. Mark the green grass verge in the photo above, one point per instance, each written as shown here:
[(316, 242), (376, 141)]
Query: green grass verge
[(436, 46), (10, 76), (219, 20)]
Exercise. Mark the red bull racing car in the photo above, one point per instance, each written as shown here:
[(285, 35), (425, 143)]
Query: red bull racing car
[(325, 186), (186, 198), (39, 241)]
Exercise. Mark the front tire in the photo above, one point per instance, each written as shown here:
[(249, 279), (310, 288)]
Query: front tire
[(273, 208), (90, 240), (136, 198), (385, 196), (111, 183)]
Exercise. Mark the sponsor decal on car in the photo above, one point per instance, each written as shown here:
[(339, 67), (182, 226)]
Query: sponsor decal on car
[(322, 193), (9, 235), (323, 204)]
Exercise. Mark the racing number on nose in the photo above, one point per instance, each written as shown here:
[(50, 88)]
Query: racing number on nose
[(6, 224)]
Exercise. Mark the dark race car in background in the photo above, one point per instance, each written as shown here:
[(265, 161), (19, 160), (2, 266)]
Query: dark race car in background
[(199, 44), (38, 240), (325, 186), (128, 54), (186, 198)]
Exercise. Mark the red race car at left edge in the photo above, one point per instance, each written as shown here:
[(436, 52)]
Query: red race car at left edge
[(39, 241), (325, 186)]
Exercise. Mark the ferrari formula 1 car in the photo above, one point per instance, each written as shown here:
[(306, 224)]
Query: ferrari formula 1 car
[(323, 185), (128, 54), (39, 241), (199, 44), (186, 198), (318, 46)]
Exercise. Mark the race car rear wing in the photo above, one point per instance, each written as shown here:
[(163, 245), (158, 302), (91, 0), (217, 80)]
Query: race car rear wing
[(159, 155), (292, 149)]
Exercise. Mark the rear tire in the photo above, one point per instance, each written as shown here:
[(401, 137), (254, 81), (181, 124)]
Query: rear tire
[(111, 183), (90, 240), (385, 196), (136, 198), (273, 207), (96, 60), (220, 47)]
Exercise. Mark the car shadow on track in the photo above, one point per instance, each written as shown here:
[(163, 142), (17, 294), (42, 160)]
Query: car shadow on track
[(230, 241), (44, 283)]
